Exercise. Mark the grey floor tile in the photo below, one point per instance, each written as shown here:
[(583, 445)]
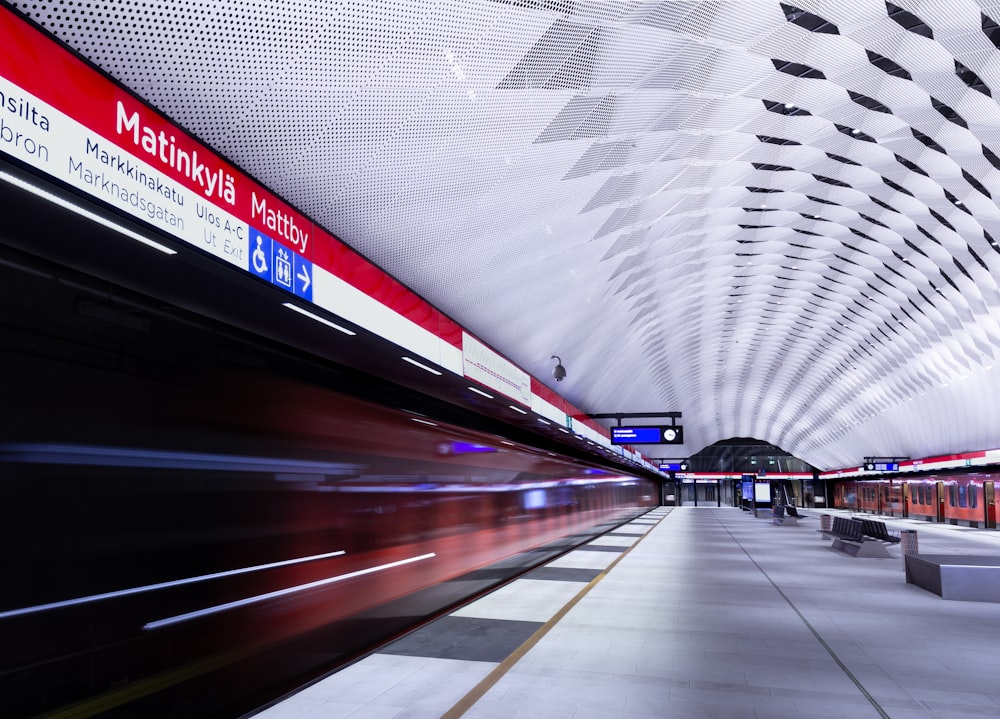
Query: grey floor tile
[(466, 638)]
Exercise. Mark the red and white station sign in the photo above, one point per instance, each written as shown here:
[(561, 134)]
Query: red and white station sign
[(67, 120)]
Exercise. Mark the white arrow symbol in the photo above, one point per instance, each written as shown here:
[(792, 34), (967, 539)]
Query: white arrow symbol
[(304, 276)]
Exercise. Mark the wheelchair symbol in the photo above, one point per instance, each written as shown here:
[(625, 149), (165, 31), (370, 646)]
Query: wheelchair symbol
[(259, 257)]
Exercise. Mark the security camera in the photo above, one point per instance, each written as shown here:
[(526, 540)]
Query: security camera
[(558, 372)]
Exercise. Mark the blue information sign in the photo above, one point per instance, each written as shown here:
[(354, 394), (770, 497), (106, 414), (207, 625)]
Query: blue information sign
[(647, 435), (277, 264)]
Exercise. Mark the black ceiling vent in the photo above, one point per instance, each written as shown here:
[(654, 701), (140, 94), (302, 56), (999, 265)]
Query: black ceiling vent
[(927, 140), (831, 181), (991, 29), (976, 183), (989, 238), (957, 202), (812, 23), (909, 21), (940, 218), (883, 205), (760, 209), (783, 108), (948, 113), (859, 233), (854, 133), (763, 190), (845, 160), (896, 187), (910, 165), (972, 79), (777, 140), (772, 168), (872, 220), (991, 156), (822, 201), (869, 102), (797, 69), (807, 232), (887, 66)]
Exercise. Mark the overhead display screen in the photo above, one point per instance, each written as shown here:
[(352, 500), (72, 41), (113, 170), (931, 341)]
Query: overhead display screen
[(653, 434), (882, 466)]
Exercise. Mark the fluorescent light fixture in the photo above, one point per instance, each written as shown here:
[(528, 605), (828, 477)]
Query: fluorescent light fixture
[(162, 585), (280, 593), (544, 421), (563, 429), (479, 391), (517, 409), (84, 212), (317, 318), (420, 365), (424, 421)]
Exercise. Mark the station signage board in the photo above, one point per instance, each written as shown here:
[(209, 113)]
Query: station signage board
[(77, 127), (882, 466), (647, 434)]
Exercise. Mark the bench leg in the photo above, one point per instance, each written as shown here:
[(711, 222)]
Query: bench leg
[(873, 550)]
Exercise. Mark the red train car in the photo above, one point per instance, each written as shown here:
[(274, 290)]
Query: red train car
[(962, 499)]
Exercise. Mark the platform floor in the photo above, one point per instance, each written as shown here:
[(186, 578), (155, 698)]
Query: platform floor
[(698, 613)]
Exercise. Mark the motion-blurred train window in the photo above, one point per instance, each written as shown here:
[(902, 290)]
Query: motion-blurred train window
[(963, 500), (952, 495), (973, 496)]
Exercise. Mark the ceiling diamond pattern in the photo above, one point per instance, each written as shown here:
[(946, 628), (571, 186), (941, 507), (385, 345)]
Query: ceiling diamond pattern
[(776, 218)]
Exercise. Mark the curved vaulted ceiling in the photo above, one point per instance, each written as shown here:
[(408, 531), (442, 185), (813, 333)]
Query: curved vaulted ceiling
[(776, 218)]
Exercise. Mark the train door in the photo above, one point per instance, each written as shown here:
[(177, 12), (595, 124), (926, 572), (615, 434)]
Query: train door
[(904, 499), (939, 495), (989, 504)]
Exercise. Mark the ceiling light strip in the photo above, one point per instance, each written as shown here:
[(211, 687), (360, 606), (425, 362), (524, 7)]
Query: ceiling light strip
[(84, 212), (420, 365), (317, 318)]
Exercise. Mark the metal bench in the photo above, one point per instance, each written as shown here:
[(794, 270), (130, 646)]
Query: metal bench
[(786, 515), (849, 538)]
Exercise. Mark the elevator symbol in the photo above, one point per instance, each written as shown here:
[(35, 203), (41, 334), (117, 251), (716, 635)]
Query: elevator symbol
[(283, 268)]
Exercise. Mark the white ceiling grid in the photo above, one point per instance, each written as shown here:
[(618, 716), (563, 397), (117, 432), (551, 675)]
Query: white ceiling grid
[(777, 218)]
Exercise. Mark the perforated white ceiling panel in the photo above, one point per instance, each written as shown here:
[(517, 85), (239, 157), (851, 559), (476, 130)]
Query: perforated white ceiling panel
[(776, 218)]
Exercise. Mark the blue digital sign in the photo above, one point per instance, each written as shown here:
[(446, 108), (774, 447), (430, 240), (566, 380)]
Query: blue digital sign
[(647, 435), (882, 466)]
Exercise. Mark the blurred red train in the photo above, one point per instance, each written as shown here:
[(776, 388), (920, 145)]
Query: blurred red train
[(196, 520), (967, 499)]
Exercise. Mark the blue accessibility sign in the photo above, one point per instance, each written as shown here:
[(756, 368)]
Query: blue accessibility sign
[(272, 261)]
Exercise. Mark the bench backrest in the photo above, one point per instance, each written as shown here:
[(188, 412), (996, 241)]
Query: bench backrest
[(876, 529)]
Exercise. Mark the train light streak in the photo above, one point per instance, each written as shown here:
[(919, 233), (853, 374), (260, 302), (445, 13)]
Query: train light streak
[(162, 585), (280, 593)]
